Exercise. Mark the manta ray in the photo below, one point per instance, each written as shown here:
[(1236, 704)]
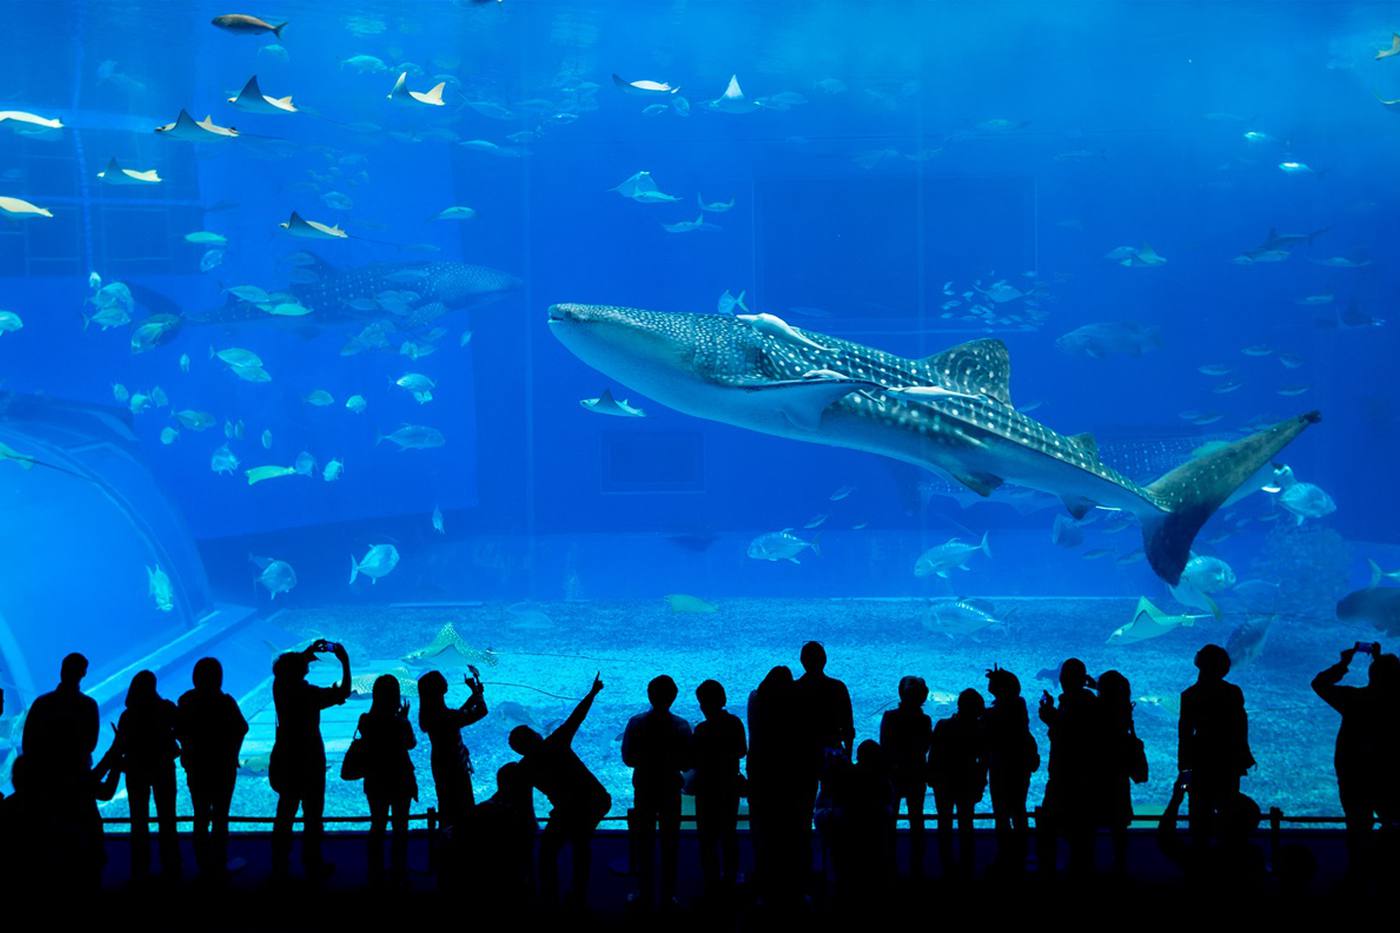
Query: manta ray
[(819, 388)]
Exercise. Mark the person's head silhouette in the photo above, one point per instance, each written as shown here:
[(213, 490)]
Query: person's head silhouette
[(431, 686), (291, 666), (1213, 662), (912, 691), (208, 675), (72, 671), (142, 690), (1002, 684), (710, 695), (1073, 675), (870, 755), (970, 704), (1114, 688), (523, 740), (662, 692), (1384, 673), (510, 782), (386, 696), (813, 657)]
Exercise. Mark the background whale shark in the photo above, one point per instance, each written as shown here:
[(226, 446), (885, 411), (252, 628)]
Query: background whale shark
[(825, 390)]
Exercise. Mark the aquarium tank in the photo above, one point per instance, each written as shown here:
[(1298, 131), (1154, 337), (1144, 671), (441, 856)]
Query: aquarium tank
[(561, 338)]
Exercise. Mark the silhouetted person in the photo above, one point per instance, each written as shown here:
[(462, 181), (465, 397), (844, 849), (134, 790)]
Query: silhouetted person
[(957, 772), (451, 761), (390, 784), (297, 770), (719, 745), (1124, 762), (905, 735), (579, 800), (862, 825), (780, 815), (149, 749), (656, 746), (1070, 808), (1231, 865), (1213, 740), (210, 727), (60, 734), (826, 729), (1367, 757), (497, 852), (1012, 757)]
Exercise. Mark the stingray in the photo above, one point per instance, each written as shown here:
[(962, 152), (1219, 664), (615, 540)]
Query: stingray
[(189, 129), (253, 100), (733, 99), (642, 189), (401, 94), (1150, 622), (447, 639), (605, 404), (114, 174), (296, 225)]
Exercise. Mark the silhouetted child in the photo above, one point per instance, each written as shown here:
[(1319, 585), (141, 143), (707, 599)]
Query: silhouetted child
[(656, 746), (905, 735), (719, 745), (1367, 758), (957, 772), (149, 749), (862, 825), (1012, 757), (580, 801), (211, 728), (297, 770), (451, 761), (1070, 809), (1213, 740), (1124, 762), (1228, 867), (390, 783)]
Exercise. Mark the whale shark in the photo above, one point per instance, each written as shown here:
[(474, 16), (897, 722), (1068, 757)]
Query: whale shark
[(823, 389)]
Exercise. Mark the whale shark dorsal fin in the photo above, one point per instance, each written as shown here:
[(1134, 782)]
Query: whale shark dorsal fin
[(1086, 443), (979, 366), (733, 91)]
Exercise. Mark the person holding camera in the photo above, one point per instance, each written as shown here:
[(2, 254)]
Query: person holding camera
[(390, 782), (297, 769), (1367, 757), (451, 761), (1212, 741)]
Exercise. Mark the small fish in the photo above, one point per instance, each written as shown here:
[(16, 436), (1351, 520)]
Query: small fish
[(841, 493), (1291, 391), (247, 25), (120, 393), (1307, 500), (206, 238), (305, 464), (418, 385), (437, 521), (1257, 349), (954, 553), (276, 575), (683, 603), (159, 589), (319, 398), (337, 201), (465, 339), (414, 437), (816, 521), (267, 439), (1097, 553), (1377, 574), (1214, 369), (356, 404), (258, 474), (184, 362), (1295, 168), (333, 471), (727, 303), (195, 420), (211, 260), (11, 322), (378, 561), (781, 545), (168, 436), (223, 460), (456, 213)]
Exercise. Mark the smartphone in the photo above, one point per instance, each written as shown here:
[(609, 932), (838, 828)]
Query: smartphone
[(1185, 778), (1364, 647)]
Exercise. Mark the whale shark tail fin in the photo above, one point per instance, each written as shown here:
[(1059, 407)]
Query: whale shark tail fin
[(1188, 496)]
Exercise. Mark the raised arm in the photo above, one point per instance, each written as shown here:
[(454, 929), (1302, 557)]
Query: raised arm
[(569, 727), (1325, 683)]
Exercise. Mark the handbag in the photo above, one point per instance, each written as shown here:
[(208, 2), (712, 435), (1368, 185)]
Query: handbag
[(354, 765)]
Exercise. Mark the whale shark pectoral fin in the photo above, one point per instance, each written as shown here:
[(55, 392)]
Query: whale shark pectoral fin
[(803, 401), (984, 484), (979, 366)]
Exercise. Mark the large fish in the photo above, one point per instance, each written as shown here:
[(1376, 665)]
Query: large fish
[(825, 390)]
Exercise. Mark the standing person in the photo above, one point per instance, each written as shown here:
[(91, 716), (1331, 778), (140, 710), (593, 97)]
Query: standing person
[(1367, 757), (60, 735), (1212, 741), (210, 728), (826, 729), (550, 764), (450, 759), (656, 746), (1012, 757), (779, 815), (1124, 762), (150, 747), (957, 772), (1069, 808), (297, 770), (905, 735), (390, 783), (719, 745), (497, 854)]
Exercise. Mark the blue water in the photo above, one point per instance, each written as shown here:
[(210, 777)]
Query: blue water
[(901, 158)]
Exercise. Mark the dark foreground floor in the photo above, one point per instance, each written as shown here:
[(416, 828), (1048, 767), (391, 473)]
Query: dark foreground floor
[(1153, 895)]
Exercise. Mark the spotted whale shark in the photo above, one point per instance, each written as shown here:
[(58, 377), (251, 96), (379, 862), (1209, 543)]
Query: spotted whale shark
[(950, 412)]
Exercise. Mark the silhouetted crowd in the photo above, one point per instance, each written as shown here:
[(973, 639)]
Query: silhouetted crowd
[(811, 790)]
